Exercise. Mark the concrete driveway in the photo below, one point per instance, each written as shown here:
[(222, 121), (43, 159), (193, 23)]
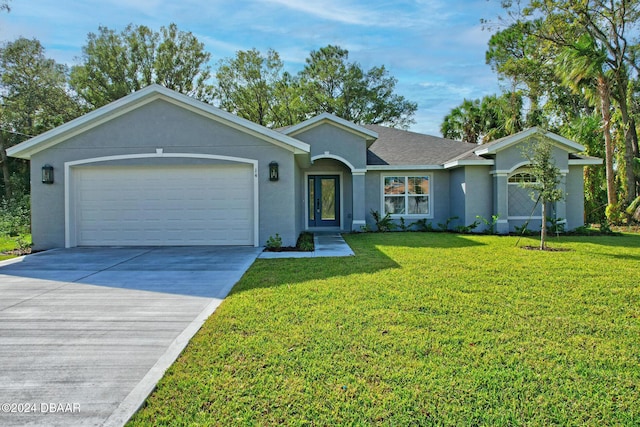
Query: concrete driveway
[(86, 333)]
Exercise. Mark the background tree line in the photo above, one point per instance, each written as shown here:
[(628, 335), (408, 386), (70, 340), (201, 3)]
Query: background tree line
[(38, 94), (570, 67)]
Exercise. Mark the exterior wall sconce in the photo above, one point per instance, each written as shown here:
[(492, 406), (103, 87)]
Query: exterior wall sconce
[(273, 171), (47, 174)]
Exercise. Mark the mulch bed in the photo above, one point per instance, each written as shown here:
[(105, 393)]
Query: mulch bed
[(546, 249)]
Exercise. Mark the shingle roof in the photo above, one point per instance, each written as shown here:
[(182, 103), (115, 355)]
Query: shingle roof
[(400, 147)]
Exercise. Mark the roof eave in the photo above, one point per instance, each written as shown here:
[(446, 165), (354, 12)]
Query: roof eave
[(367, 134), (585, 162), (574, 147), (403, 167), (462, 163)]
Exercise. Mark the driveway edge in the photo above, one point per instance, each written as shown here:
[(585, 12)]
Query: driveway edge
[(139, 394)]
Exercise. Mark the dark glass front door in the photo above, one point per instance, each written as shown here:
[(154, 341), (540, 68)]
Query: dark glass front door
[(324, 200)]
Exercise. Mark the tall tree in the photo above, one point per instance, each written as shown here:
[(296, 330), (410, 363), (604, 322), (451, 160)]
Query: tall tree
[(34, 96), (330, 83), (610, 24), (582, 67), (247, 85), (483, 120), (116, 64), (464, 122)]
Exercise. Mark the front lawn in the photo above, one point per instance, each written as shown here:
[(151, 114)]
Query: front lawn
[(420, 329)]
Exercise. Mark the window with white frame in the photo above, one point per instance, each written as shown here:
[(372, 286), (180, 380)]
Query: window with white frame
[(407, 195)]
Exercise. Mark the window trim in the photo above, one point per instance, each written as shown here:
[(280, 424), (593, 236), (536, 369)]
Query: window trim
[(406, 175), (517, 171)]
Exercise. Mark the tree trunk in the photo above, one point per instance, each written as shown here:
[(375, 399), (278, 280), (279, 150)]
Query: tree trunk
[(630, 148), (605, 106), (543, 227), (5, 169)]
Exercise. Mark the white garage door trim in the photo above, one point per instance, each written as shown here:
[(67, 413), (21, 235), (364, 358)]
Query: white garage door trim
[(70, 238)]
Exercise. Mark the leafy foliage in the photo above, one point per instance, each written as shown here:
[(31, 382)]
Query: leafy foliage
[(331, 84), (483, 120), (33, 99), (545, 187), (117, 64), (383, 223), (274, 242)]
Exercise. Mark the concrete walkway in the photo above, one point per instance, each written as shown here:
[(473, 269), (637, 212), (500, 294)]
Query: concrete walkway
[(86, 333), (326, 245)]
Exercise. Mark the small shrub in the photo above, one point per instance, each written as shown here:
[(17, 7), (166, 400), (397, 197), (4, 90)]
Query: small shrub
[(555, 225), (383, 223), (466, 229), (614, 213), (490, 225), (605, 227), (23, 245), (274, 242), (403, 224), (305, 242), (422, 225), (445, 226), (522, 230)]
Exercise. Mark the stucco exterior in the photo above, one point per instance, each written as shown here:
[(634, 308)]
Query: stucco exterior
[(158, 127)]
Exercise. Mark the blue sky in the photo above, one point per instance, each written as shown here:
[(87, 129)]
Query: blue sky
[(435, 48)]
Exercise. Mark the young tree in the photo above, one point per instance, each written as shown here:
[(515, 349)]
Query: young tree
[(117, 64), (547, 178)]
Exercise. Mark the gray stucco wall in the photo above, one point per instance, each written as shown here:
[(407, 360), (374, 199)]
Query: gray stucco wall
[(175, 130), (457, 199), (471, 195), (337, 141), (479, 197), (510, 157), (575, 197)]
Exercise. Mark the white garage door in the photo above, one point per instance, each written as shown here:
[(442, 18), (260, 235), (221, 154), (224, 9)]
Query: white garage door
[(168, 205)]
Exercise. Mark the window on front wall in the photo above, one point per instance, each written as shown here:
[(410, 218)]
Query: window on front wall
[(406, 195)]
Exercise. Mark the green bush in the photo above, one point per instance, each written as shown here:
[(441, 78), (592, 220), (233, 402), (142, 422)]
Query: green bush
[(15, 216), (305, 242), (274, 242), (383, 223)]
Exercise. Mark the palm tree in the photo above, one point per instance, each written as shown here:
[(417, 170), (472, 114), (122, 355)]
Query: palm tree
[(582, 67), (463, 123)]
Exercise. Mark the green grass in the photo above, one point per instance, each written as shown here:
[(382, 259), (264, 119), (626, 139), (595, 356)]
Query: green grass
[(8, 244), (420, 329)]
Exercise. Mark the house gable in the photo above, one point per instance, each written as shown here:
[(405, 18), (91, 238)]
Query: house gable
[(331, 137), (150, 94)]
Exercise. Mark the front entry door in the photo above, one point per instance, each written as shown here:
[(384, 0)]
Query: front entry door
[(324, 200)]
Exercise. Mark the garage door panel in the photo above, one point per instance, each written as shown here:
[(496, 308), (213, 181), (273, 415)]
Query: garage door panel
[(205, 205)]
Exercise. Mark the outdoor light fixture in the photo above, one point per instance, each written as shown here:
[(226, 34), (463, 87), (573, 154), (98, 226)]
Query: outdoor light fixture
[(47, 174), (273, 171)]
